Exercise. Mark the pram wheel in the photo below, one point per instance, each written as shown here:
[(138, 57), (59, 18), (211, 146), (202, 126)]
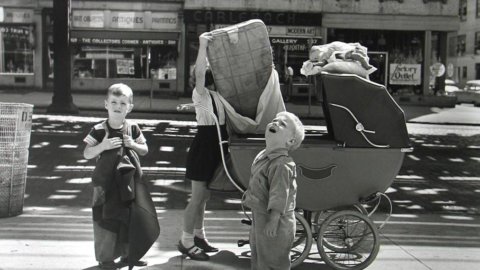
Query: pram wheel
[(354, 238), (302, 242), (321, 216)]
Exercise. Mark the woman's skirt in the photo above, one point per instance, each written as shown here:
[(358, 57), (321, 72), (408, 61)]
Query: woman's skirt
[(204, 155)]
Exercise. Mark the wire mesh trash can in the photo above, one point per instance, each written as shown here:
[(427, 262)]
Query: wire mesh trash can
[(15, 130)]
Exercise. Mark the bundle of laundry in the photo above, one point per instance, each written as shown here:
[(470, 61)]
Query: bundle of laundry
[(338, 57)]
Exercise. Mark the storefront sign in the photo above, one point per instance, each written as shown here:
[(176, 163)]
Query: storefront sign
[(120, 41), (300, 31), (294, 44), (88, 18), (405, 74), (164, 20), (16, 15), (437, 69), (15, 30), (283, 30), (127, 20), (269, 18)]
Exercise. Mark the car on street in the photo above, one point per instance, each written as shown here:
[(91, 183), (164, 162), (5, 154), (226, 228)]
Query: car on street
[(470, 94), (451, 87)]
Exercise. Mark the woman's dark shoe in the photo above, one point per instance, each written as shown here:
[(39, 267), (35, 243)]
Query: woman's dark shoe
[(108, 265), (194, 252), (203, 244), (137, 263)]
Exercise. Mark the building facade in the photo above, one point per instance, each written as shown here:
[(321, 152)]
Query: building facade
[(464, 45), (151, 44)]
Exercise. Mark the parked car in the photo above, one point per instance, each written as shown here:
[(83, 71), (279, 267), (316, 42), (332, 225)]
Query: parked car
[(470, 94), (451, 87)]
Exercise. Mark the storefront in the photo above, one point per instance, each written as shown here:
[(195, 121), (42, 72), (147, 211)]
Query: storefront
[(140, 48), (17, 47), (291, 36), (403, 50)]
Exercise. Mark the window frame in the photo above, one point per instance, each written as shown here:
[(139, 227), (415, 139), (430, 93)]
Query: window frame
[(463, 10)]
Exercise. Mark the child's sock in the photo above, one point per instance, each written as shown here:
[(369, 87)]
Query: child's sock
[(187, 239), (200, 233)]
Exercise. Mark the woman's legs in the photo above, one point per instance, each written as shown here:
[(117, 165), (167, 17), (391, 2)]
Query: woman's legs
[(195, 211)]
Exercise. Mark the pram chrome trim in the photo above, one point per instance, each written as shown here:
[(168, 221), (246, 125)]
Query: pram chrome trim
[(359, 127)]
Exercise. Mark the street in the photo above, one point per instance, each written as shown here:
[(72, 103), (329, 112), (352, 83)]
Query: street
[(435, 222)]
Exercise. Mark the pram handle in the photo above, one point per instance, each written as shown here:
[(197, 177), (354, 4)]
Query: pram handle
[(184, 107)]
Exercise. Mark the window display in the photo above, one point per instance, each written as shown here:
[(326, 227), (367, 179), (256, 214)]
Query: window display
[(16, 49), (140, 62)]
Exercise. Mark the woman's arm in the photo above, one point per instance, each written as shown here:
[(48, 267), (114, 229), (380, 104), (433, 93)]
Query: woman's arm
[(201, 63)]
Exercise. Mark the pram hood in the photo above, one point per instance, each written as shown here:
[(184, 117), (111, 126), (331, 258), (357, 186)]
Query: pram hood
[(361, 113)]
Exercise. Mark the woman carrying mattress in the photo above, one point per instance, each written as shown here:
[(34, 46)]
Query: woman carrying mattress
[(203, 157)]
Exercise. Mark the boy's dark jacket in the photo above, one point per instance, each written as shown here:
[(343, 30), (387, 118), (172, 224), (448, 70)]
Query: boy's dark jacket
[(126, 200)]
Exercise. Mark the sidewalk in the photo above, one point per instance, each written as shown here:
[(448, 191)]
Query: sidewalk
[(436, 223), (61, 238), (91, 103)]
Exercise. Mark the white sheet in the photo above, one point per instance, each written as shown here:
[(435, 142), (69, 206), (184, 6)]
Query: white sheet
[(269, 104)]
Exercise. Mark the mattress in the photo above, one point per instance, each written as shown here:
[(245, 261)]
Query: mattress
[(241, 60)]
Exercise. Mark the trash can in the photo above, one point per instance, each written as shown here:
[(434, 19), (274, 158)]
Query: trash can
[(15, 130)]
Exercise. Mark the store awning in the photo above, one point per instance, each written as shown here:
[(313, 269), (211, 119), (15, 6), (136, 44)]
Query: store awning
[(124, 38)]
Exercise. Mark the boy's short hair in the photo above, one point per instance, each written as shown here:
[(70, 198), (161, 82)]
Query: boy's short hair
[(120, 89), (298, 129)]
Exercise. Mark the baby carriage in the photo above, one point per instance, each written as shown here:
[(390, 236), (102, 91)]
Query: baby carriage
[(351, 163)]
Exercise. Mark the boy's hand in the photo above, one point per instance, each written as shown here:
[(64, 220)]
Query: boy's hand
[(128, 141), (271, 228), (272, 224), (111, 143)]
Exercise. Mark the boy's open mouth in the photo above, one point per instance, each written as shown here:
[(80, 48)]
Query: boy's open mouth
[(272, 129)]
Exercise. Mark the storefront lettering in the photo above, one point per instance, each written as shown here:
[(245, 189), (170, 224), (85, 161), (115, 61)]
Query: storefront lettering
[(127, 20), (118, 41), (310, 31), (88, 18), (14, 30), (165, 20), (17, 15), (284, 40), (296, 47), (130, 42), (229, 17), (405, 74)]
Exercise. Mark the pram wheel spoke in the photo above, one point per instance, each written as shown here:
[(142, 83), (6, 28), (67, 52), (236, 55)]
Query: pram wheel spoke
[(302, 242), (321, 216), (353, 241)]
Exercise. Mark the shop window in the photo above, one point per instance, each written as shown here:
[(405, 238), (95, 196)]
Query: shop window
[(16, 49), (462, 10), (291, 52), (461, 42), (140, 62), (477, 42), (163, 62), (452, 46), (478, 9)]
